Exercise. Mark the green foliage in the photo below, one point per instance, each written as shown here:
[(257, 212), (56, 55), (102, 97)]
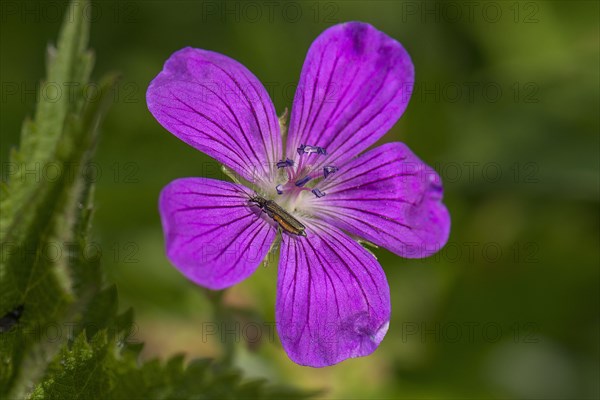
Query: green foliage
[(45, 219), (45, 226), (102, 363)]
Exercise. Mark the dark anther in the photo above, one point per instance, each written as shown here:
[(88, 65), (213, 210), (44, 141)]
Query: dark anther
[(318, 193), (306, 149), (302, 182), (328, 170), (285, 163)]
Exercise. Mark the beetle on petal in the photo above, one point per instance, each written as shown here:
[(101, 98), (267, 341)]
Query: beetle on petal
[(321, 190)]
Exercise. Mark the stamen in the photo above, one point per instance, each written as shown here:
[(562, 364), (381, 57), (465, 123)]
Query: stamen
[(302, 182), (306, 149), (279, 189), (318, 193), (329, 169), (285, 163)]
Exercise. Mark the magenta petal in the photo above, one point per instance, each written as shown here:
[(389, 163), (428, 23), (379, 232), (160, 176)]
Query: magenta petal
[(355, 84), (391, 198), (333, 300), (216, 105), (212, 235)]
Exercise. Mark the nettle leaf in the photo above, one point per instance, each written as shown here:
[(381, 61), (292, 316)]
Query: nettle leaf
[(78, 372), (103, 362), (61, 334), (46, 206), (92, 369)]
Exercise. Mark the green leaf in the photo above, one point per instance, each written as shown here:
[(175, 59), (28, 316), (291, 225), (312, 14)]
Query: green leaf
[(46, 207), (92, 369), (78, 372)]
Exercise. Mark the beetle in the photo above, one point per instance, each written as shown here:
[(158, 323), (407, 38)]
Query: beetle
[(283, 218)]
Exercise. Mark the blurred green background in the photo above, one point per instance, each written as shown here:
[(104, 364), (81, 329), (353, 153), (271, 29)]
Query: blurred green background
[(505, 108)]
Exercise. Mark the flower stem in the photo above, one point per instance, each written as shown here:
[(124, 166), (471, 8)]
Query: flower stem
[(223, 318)]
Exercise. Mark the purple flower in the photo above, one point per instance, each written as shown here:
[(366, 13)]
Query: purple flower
[(333, 300)]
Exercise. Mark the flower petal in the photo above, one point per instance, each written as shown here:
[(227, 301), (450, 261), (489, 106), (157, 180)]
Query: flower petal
[(355, 84), (212, 235), (216, 105), (333, 300), (389, 197)]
